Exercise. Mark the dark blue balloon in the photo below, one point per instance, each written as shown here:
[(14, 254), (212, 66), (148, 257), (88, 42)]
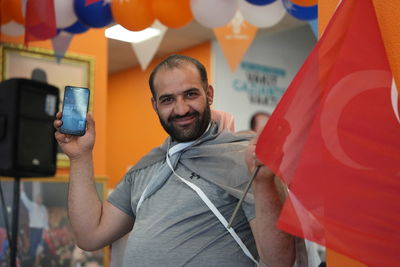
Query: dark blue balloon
[(96, 15), (301, 12), (77, 27), (260, 2)]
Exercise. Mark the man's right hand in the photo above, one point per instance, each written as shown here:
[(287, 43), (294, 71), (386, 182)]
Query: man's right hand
[(76, 146), (95, 223)]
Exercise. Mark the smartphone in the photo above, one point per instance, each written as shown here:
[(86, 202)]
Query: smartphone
[(75, 108)]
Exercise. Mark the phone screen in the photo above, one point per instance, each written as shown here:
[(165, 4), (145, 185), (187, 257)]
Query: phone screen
[(75, 107)]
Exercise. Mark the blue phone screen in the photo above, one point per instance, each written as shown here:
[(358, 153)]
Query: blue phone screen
[(74, 110)]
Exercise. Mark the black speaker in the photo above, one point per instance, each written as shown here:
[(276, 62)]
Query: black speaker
[(27, 144)]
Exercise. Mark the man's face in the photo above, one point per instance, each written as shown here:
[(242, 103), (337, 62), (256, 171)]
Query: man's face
[(261, 120), (38, 200), (182, 104)]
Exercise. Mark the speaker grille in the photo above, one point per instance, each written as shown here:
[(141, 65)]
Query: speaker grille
[(35, 147)]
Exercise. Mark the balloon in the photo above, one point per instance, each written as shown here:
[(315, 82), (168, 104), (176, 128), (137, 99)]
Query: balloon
[(173, 13), (301, 12), (211, 13), (97, 15), (17, 10), (77, 27), (5, 16), (134, 15), (12, 29), (261, 2), (262, 16), (305, 2), (65, 14)]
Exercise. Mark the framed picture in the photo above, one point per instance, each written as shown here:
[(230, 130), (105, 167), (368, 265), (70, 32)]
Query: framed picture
[(51, 242), (17, 61)]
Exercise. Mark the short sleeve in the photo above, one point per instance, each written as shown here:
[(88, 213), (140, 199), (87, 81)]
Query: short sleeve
[(121, 196), (249, 211), (127, 193)]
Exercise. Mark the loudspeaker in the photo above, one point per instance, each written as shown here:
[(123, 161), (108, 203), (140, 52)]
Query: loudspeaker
[(27, 144)]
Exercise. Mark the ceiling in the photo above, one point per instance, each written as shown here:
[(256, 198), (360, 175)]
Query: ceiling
[(121, 55)]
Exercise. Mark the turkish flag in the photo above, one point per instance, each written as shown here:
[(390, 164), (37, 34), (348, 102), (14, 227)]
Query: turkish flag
[(40, 22), (334, 138)]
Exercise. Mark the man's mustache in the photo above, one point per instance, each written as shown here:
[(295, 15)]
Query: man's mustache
[(189, 114)]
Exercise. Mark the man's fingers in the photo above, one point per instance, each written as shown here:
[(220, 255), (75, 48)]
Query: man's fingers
[(254, 141), (57, 124), (59, 137), (257, 162), (252, 150), (62, 138), (90, 122)]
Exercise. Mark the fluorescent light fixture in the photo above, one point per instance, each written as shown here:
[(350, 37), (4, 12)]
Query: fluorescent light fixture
[(120, 33)]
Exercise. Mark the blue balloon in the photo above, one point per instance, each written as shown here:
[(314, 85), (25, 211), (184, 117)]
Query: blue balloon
[(260, 2), (301, 12), (96, 15), (77, 27)]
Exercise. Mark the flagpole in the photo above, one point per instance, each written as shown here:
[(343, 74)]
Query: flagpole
[(253, 175)]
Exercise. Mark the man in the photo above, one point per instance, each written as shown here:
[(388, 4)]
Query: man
[(258, 121), (38, 223), (159, 198)]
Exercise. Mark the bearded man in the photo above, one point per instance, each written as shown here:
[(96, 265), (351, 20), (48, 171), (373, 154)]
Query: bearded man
[(175, 201)]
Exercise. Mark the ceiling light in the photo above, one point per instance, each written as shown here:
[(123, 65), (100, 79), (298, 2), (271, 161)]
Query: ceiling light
[(120, 33)]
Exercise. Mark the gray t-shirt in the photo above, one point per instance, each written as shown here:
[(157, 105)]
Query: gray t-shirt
[(175, 228)]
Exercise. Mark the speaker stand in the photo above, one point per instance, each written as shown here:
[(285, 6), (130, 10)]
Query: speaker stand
[(15, 222)]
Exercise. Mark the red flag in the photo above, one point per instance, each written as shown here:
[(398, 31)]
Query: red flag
[(335, 139), (40, 22)]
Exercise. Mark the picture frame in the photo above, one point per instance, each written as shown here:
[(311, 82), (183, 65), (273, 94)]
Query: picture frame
[(17, 61), (57, 246)]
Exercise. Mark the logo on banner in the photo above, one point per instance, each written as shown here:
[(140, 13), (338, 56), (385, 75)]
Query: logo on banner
[(237, 25), (260, 83)]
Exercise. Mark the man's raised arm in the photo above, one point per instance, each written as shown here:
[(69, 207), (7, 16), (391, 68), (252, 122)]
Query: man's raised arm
[(275, 247), (95, 223)]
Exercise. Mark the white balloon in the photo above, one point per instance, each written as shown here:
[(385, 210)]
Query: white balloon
[(262, 16), (65, 14), (12, 29), (213, 13)]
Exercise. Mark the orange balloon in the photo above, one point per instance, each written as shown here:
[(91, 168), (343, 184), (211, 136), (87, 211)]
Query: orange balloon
[(305, 2), (173, 13), (16, 11), (134, 15), (5, 16)]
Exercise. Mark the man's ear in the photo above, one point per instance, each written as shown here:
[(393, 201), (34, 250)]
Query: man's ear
[(210, 94), (154, 104)]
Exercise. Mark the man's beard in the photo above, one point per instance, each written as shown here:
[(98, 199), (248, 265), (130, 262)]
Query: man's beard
[(190, 132)]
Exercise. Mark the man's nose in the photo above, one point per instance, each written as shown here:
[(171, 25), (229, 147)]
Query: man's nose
[(181, 107)]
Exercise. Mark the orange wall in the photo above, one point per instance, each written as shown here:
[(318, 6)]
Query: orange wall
[(94, 44), (387, 12), (133, 127)]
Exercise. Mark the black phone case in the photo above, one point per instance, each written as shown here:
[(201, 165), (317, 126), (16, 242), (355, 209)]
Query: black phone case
[(69, 131)]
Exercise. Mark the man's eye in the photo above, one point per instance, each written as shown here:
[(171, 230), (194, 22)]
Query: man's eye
[(166, 100), (191, 94)]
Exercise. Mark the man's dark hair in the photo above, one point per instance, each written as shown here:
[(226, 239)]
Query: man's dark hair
[(254, 118), (175, 61)]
